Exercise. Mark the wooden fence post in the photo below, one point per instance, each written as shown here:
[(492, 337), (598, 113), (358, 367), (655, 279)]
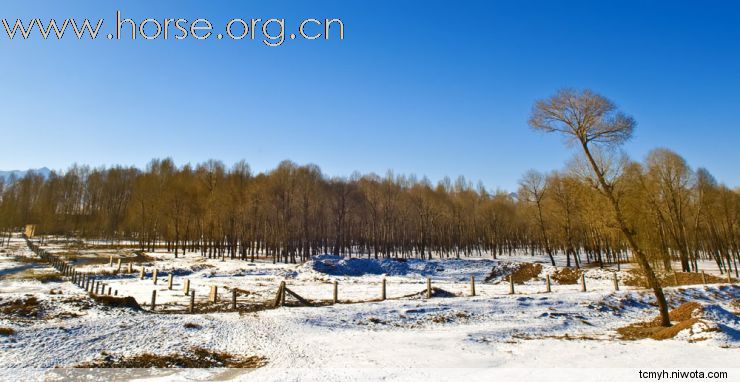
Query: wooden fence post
[(336, 291), (429, 287), (282, 293), (675, 278), (130, 268), (511, 284), (110, 261), (186, 286), (472, 286), (548, 289), (154, 299), (382, 289), (583, 282), (729, 275), (192, 301), (141, 276), (280, 296), (213, 297), (616, 282), (169, 281), (703, 277), (154, 276), (233, 299)]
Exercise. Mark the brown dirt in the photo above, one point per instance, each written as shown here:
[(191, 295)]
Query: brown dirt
[(567, 276), (526, 272), (685, 311), (6, 332), (195, 358), (522, 272), (652, 329)]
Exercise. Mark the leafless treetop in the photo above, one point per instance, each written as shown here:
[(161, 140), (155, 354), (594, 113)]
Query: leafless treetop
[(583, 116)]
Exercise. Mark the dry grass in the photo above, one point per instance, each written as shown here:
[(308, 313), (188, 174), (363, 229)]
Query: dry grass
[(567, 276), (436, 292), (117, 302), (195, 358), (26, 259), (191, 325), (41, 275), (26, 308)]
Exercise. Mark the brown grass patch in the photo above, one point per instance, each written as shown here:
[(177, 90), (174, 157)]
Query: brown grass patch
[(46, 277), (117, 302), (41, 275), (6, 332), (195, 358), (567, 276), (26, 308), (26, 259), (652, 329)]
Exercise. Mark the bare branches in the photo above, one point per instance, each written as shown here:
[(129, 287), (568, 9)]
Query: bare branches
[(582, 116)]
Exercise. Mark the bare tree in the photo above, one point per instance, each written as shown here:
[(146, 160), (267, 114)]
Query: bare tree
[(532, 189), (587, 118)]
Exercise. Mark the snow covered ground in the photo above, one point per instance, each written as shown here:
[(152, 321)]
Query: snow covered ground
[(400, 338)]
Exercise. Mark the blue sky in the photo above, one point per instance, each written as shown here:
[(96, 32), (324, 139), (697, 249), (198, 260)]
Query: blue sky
[(432, 88)]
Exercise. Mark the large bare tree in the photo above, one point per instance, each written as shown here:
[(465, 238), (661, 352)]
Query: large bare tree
[(589, 119)]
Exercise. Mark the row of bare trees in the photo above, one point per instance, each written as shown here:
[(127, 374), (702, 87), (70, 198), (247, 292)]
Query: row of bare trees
[(293, 212)]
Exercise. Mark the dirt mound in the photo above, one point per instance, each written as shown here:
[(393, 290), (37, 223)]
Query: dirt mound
[(117, 302), (567, 276), (685, 311), (526, 272), (521, 272), (194, 358), (686, 315)]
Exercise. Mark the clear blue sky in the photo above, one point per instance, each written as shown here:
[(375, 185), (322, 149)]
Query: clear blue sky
[(427, 87)]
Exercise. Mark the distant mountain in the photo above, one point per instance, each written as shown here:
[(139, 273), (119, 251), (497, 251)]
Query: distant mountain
[(5, 175)]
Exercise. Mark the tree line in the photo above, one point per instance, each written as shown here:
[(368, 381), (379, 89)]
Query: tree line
[(293, 212)]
